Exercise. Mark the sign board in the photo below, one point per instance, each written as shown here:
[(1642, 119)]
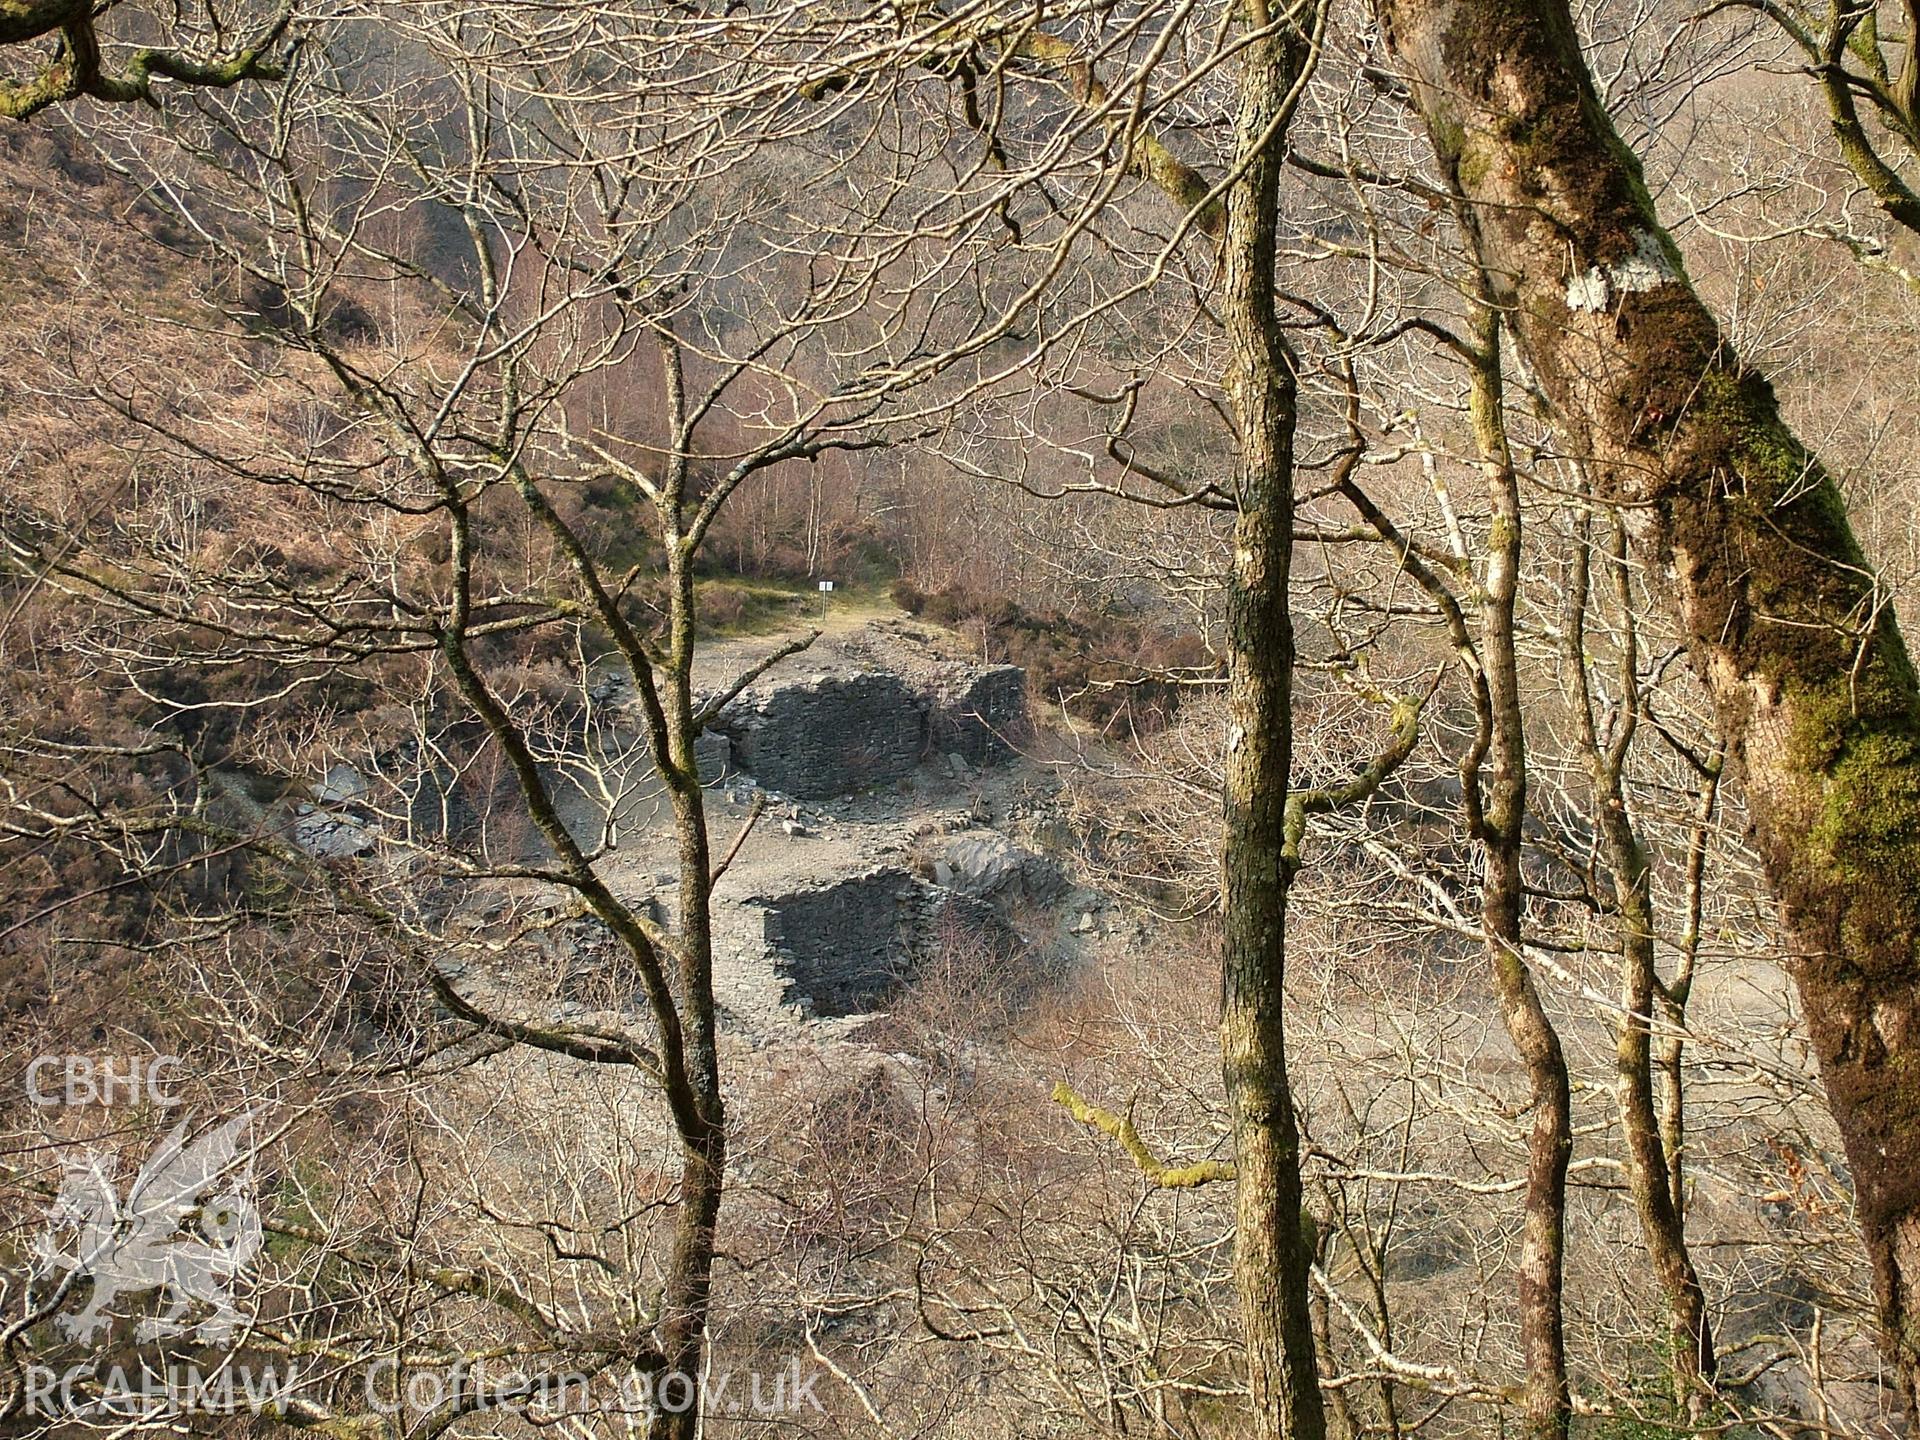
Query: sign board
[(826, 585)]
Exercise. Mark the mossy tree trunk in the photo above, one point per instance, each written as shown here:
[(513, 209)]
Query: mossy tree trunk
[(1271, 1254), (29, 19), (76, 66), (1809, 674)]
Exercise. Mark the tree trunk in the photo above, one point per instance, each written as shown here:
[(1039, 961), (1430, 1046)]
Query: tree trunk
[(1271, 1257), (1652, 1169), (686, 1300), (1647, 1162), (1809, 675), (1496, 781), (682, 1327)]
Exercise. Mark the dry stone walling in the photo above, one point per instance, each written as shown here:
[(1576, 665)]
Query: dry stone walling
[(838, 734)]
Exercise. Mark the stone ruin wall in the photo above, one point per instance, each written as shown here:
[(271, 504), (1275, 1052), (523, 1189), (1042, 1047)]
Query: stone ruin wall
[(845, 946), (842, 734), (828, 736)]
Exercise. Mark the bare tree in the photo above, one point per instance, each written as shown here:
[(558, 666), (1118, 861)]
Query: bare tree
[(1654, 1133), (1271, 1253), (1846, 54), (442, 242)]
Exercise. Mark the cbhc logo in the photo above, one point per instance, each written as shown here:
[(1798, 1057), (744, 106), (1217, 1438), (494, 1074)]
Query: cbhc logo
[(83, 1080)]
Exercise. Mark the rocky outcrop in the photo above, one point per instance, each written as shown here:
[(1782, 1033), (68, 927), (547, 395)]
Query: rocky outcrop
[(607, 790), (867, 724), (986, 865)]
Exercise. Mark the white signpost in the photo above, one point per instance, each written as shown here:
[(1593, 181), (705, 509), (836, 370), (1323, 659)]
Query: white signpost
[(826, 589)]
